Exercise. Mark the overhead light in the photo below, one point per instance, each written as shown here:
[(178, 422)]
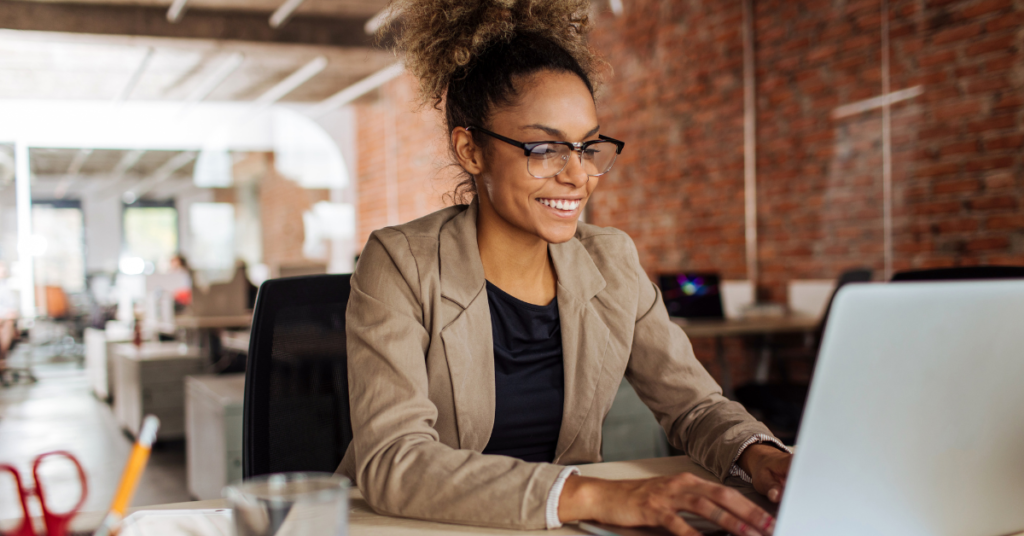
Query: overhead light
[(216, 78), (284, 12), (616, 6), (357, 90), (293, 81), (176, 11)]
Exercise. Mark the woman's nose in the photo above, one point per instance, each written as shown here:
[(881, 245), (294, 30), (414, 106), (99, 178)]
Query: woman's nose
[(573, 173)]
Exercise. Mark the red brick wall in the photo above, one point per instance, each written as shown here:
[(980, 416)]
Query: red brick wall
[(282, 203), (397, 137), (676, 99)]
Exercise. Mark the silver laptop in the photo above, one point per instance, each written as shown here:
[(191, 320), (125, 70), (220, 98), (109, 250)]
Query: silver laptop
[(915, 420)]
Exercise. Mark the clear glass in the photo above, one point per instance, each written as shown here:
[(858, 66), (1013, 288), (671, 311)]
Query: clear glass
[(549, 159), (287, 504)]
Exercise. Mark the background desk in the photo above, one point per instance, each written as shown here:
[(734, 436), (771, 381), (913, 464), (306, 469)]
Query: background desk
[(760, 327)]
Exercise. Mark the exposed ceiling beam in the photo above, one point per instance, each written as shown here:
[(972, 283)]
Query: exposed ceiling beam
[(127, 162), (293, 81), (283, 13), (135, 20)]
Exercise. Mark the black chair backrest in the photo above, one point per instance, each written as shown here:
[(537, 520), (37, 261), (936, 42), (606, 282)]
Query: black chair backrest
[(296, 414), (859, 275), (961, 273)]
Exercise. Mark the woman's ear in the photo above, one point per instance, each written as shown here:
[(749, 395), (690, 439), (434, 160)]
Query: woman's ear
[(469, 155)]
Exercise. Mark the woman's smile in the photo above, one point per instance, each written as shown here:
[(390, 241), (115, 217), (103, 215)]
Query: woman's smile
[(562, 207)]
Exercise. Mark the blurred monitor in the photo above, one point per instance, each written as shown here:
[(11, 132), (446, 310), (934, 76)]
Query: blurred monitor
[(692, 294)]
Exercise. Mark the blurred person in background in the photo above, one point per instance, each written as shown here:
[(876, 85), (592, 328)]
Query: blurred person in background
[(183, 293)]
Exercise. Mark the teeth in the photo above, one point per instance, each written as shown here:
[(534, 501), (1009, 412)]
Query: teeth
[(561, 204)]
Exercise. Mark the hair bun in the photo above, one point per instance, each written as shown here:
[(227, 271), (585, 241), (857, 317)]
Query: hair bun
[(441, 37)]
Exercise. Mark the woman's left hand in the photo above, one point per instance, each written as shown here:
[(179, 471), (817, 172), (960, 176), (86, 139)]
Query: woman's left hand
[(768, 467)]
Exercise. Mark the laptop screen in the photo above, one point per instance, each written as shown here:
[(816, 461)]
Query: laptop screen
[(692, 294)]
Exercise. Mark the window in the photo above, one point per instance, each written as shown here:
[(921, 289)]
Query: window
[(150, 233), (58, 245)]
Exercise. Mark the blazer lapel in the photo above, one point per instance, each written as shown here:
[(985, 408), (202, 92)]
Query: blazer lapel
[(585, 336), (466, 331)]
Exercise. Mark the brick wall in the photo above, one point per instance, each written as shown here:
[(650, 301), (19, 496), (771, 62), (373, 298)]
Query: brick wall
[(676, 98), (402, 164)]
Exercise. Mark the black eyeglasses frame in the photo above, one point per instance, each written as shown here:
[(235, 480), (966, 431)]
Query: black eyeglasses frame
[(528, 148)]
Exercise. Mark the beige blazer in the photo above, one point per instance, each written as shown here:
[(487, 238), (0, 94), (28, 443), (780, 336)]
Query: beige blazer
[(421, 373)]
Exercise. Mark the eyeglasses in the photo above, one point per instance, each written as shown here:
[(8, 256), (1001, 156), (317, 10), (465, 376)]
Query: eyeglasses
[(545, 159)]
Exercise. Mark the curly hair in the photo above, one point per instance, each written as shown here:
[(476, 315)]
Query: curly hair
[(470, 54)]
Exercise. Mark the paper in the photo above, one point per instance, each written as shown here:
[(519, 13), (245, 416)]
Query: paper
[(178, 523)]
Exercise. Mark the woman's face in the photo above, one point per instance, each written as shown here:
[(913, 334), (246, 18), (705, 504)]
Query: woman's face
[(552, 107)]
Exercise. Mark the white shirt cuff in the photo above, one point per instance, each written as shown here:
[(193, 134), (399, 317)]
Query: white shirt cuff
[(735, 470), (555, 493)]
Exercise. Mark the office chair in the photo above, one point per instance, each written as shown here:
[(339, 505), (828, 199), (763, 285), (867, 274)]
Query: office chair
[(781, 405), (960, 273), (296, 411)]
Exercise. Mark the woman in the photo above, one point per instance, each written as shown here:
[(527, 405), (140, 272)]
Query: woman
[(486, 342)]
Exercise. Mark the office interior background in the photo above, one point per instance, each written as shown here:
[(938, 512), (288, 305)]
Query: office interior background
[(777, 144)]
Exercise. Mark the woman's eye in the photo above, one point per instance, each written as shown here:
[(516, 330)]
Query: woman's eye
[(543, 150)]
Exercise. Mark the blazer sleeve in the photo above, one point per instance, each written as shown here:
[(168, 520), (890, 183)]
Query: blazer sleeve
[(401, 467), (686, 401)]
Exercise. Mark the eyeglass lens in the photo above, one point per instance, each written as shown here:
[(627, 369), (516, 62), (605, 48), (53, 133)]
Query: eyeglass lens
[(548, 159)]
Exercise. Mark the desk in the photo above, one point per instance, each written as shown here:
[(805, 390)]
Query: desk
[(364, 522), (151, 380), (763, 327)]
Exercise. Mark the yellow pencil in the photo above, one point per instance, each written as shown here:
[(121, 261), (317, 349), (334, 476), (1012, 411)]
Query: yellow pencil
[(132, 472)]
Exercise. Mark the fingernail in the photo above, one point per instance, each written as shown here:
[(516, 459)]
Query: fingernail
[(773, 494), (748, 531), (769, 525)]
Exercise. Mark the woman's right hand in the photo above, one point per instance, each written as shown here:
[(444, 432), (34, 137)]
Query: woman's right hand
[(656, 501)]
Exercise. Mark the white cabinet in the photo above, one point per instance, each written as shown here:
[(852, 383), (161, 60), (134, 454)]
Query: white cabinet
[(99, 357), (213, 430), (150, 380)]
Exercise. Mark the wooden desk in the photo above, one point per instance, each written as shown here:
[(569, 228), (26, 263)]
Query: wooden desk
[(761, 327), (364, 522)]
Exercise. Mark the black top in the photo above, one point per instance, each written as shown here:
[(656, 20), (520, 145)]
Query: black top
[(528, 377)]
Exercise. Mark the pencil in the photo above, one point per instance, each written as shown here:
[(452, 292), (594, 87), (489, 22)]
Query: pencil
[(132, 472)]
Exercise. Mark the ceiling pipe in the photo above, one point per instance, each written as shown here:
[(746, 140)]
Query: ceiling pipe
[(161, 174), (126, 91), (357, 90), (296, 79), (283, 13), (378, 21), (176, 11), (216, 78)]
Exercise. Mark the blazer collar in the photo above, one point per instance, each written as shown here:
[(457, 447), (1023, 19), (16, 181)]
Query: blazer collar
[(462, 272)]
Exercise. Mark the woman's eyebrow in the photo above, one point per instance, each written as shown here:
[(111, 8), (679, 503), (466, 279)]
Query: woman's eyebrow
[(558, 133)]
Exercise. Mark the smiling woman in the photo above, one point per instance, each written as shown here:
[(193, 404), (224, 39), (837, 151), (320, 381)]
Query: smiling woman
[(487, 341)]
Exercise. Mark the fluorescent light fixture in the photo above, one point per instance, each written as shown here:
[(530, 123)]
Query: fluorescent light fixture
[(289, 84), (284, 12), (377, 21), (216, 78), (357, 90)]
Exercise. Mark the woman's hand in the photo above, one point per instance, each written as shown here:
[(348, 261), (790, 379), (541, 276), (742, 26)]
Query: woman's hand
[(656, 501), (768, 467)]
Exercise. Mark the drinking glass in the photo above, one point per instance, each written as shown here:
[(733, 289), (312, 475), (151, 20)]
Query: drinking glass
[(290, 504)]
